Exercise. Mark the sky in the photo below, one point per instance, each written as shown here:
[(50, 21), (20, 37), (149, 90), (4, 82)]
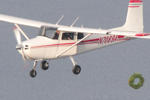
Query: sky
[(105, 72)]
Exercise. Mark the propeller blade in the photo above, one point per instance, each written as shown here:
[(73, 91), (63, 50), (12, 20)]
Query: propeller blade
[(17, 32), (23, 54), (26, 64)]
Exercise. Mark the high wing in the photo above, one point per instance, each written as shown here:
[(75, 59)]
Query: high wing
[(27, 22), (38, 24)]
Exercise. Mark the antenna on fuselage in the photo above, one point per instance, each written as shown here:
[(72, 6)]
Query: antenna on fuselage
[(74, 22), (60, 19)]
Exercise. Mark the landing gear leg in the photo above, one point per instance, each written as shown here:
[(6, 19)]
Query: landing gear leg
[(33, 72), (77, 69)]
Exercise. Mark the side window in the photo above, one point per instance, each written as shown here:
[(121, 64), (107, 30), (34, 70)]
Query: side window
[(49, 33), (56, 35), (68, 36), (80, 35)]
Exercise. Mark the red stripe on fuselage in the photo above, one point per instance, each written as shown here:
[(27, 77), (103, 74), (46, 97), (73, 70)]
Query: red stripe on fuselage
[(92, 41), (52, 45), (65, 43)]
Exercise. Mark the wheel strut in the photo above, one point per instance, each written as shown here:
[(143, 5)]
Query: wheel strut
[(33, 72), (77, 69)]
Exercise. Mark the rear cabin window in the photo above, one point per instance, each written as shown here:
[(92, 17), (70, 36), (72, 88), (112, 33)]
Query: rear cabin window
[(80, 35), (68, 36)]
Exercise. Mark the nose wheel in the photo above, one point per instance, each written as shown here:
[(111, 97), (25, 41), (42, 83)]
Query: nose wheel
[(44, 65), (33, 73)]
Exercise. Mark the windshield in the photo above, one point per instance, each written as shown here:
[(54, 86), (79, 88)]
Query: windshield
[(49, 32)]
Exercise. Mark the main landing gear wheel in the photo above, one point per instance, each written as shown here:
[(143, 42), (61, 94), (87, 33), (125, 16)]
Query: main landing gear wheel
[(33, 73), (76, 70), (44, 65)]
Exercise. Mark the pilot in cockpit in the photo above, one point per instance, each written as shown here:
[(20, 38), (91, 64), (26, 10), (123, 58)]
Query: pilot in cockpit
[(56, 35)]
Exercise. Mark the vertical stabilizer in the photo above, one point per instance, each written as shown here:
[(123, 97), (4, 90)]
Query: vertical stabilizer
[(134, 20)]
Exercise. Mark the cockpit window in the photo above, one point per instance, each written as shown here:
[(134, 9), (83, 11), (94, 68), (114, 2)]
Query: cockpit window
[(49, 33), (56, 35), (68, 36)]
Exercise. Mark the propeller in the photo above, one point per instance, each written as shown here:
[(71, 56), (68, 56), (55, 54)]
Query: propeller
[(19, 46)]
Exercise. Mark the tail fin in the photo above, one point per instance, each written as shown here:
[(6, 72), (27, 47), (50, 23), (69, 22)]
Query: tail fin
[(134, 20)]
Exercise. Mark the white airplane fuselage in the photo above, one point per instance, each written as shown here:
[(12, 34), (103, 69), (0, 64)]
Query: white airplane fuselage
[(42, 47)]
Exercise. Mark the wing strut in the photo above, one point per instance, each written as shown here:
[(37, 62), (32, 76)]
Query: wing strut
[(64, 51), (61, 18), (74, 22), (22, 32)]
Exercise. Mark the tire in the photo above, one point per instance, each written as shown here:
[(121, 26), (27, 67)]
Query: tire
[(44, 65), (33, 73), (76, 70)]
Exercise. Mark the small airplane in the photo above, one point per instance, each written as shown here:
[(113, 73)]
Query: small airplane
[(57, 41)]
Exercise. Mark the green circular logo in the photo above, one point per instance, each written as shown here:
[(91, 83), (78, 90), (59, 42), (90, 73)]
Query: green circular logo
[(136, 81)]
